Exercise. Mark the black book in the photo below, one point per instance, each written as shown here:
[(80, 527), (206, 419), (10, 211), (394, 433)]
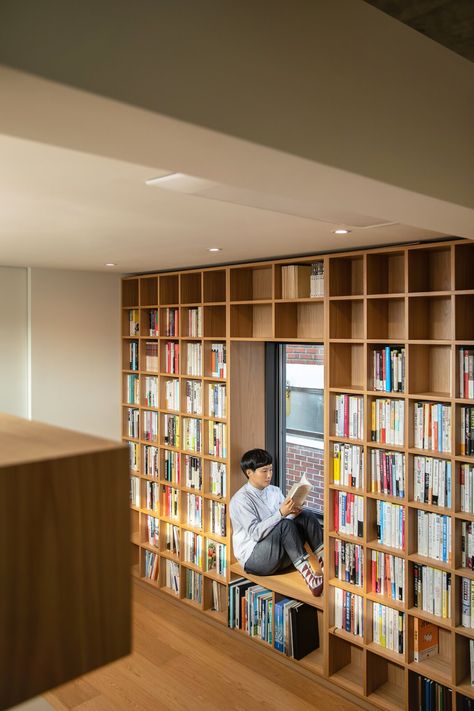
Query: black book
[(304, 630)]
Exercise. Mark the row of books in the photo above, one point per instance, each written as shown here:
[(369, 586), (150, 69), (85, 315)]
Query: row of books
[(194, 359), (349, 416), (172, 576), (192, 434), (217, 439), (150, 391), (217, 400), (151, 565), (466, 480), (425, 639), (193, 397), (431, 696), (195, 321), (134, 322), (135, 495), (133, 456), (172, 394), (152, 495), (434, 535), (150, 426), (432, 481), (218, 479), (296, 628), (218, 360), (171, 537), (151, 460), (349, 612), (171, 322), (388, 575), (171, 466), (219, 597), (151, 356), (432, 590), (153, 531), (170, 502), (250, 609), (133, 422), (388, 627), (217, 557), (217, 518), (348, 514), (387, 472), (171, 430), (171, 357), (467, 598), (152, 322), (467, 545), (466, 373), (387, 421), (193, 585), (133, 355), (299, 281), (133, 390), (194, 510), (432, 426), (349, 562), (390, 524), (466, 439), (192, 472), (348, 465), (389, 369), (193, 548)]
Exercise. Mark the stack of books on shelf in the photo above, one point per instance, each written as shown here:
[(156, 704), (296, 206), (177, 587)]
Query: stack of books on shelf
[(170, 502), (467, 431), (349, 562), (134, 322), (218, 478), (295, 281), (193, 393), (432, 590), (387, 472), (192, 434), (432, 426), (217, 442), (153, 329), (250, 609), (133, 416), (192, 472), (467, 598), (431, 696), (133, 390), (348, 514), (172, 576), (153, 531), (152, 495), (432, 481), (135, 491), (133, 355), (193, 589), (466, 372), (348, 612), (172, 467), (467, 545), (150, 426), (390, 524), (217, 400), (151, 391), (434, 536), (389, 369), (296, 628), (349, 414), (216, 557), (172, 357), (193, 548), (217, 518), (195, 322), (218, 360), (171, 322), (151, 356), (425, 639), (172, 539), (194, 510), (348, 465), (151, 460), (194, 359), (151, 565), (388, 628), (388, 575), (387, 421), (172, 394)]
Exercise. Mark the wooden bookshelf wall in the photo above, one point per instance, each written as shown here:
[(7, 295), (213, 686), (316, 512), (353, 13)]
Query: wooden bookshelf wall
[(417, 297)]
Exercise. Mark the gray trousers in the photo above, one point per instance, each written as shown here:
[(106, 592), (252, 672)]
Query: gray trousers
[(285, 544)]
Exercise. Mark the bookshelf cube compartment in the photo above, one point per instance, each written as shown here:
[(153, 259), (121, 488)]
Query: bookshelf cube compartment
[(314, 661), (149, 391), (386, 273), (192, 396), (191, 358), (386, 319), (464, 317), (343, 407), (192, 472), (150, 322), (251, 283), (131, 389), (340, 504), (378, 364), (191, 322), (386, 419), (215, 600), (215, 321), (170, 540), (169, 322), (191, 439), (135, 526), (464, 498), (215, 400), (385, 682), (150, 531), (418, 700), (447, 413), (439, 665), (392, 519), (190, 288), (214, 286), (170, 467), (346, 664), (215, 479), (169, 393), (130, 322), (429, 318), (293, 281), (251, 321), (464, 266), (430, 370), (170, 356), (462, 548), (130, 292), (169, 289), (150, 566), (464, 431), (346, 276), (215, 359), (464, 383), (130, 355), (149, 426), (148, 291), (171, 578), (429, 269), (462, 665), (131, 422), (347, 366), (346, 319), (303, 320), (149, 355), (413, 547), (170, 430)]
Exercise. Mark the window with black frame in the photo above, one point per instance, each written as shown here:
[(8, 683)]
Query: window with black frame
[(295, 416)]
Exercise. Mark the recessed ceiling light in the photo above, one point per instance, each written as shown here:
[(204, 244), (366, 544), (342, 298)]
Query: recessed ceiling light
[(215, 249), (110, 264), (341, 231)]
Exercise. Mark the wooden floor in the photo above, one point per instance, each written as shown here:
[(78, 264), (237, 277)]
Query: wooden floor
[(180, 661)]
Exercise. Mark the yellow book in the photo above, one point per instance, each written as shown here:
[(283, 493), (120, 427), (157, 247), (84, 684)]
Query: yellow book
[(337, 464)]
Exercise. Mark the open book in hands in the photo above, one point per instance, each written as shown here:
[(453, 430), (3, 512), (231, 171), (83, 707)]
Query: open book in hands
[(299, 492)]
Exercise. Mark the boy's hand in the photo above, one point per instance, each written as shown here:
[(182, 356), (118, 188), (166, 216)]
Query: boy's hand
[(289, 507)]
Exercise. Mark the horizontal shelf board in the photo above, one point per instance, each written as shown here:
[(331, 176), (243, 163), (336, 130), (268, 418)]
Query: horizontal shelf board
[(440, 621), (387, 601), (465, 687), (314, 661), (301, 300), (463, 401), (169, 556), (251, 302), (383, 393), (336, 583), (350, 389), (151, 582), (352, 638), (385, 497), (192, 566), (388, 696), (465, 572), (431, 507), (374, 545), (387, 653), (348, 679), (424, 560), (171, 592), (355, 341), (220, 617), (382, 445), (214, 576), (350, 539), (464, 515), (464, 458), (465, 631), (148, 547), (347, 489), (430, 453), (289, 584), (348, 297), (430, 396), (346, 440), (417, 294), (388, 295), (192, 603), (436, 667)]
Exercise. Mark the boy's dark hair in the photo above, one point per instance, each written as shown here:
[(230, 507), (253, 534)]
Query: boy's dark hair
[(255, 458)]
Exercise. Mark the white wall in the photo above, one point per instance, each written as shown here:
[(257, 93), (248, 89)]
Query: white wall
[(14, 341), (75, 350)]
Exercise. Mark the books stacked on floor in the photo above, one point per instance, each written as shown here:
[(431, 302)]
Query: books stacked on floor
[(296, 628), (467, 599), (133, 355), (295, 281), (172, 394), (349, 562), (151, 356), (194, 510), (217, 442), (348, 465), (217, 400), (216, 557), (467, 431), (467, 545), (387, 421), (387, 472), (171, 326), (218, 360), (425, 639), (388, 575), (388, 628), (466, 372), (192, 472), (431, 696), (134, 322), (432, 426), (151, 391), (193, 587), (172, 576), (194, 359), (432, 590), (193, 394), (466, 480), (218, 478), (172, 466), (151, 565), (390, 524), (432, 481), (250, 609), (192, 434), (389, 369), (349, 416), (434, 535), (349, 612), (172, 358), (348, 514)]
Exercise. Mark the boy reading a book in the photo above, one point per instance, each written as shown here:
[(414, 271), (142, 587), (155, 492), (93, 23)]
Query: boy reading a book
[(269, 531)]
